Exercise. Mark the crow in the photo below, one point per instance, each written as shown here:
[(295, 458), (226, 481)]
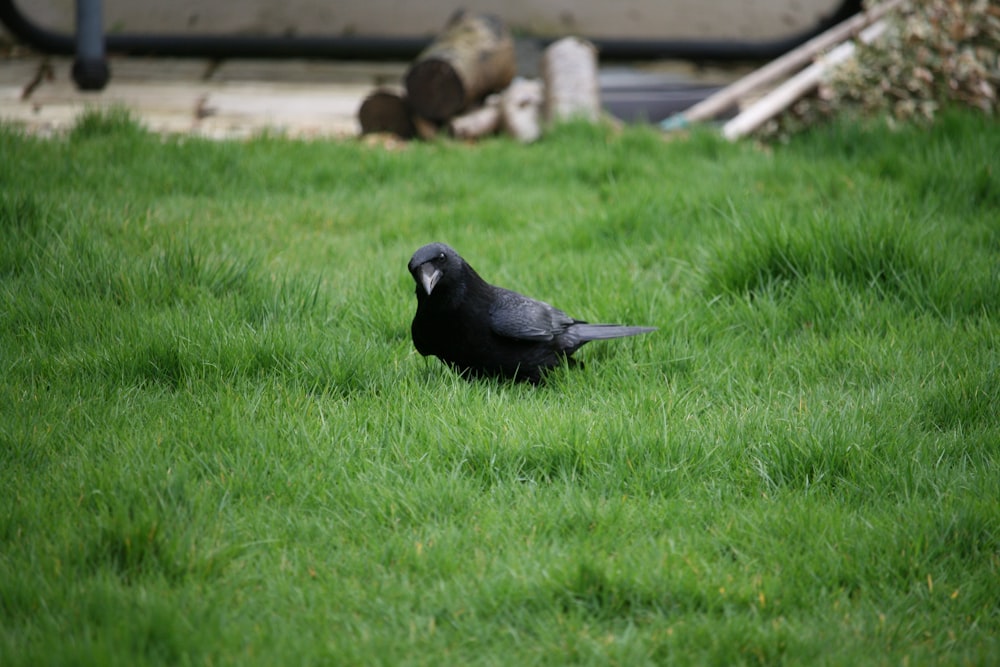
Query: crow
[(485, 331)]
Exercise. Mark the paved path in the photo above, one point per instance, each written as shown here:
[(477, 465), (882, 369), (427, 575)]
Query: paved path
[(235, 98)]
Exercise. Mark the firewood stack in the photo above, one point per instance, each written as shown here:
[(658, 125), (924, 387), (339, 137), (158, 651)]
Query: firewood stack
[(464, 84)]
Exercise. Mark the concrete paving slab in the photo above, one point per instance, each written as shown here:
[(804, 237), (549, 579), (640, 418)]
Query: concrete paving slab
[(220, 100)]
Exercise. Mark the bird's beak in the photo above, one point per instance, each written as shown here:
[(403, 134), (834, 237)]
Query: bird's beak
[(429, 276)]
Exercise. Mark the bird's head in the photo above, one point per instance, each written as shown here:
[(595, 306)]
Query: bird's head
[(434, 263)]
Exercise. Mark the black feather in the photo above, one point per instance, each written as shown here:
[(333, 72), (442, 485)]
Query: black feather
[(487, 331)]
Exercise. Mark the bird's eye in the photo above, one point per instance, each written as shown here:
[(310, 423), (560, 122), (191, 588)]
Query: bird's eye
[(441, 255)]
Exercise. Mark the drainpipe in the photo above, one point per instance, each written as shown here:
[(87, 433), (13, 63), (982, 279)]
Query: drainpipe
[(90, 68)]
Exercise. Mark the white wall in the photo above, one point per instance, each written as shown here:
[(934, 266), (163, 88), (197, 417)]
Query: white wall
[(650, 19)]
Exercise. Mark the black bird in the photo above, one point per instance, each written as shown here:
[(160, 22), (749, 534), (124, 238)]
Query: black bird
[(486, 331)]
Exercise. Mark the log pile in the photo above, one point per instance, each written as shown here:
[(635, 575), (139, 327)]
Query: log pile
[(464, 84)]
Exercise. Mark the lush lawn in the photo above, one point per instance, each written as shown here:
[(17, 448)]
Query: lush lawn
[(218, 446)]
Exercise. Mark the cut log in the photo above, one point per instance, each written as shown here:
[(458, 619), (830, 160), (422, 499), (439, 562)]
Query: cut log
[(521, 106), (569, 69), (386, 110), (479, 122), (471, 58)]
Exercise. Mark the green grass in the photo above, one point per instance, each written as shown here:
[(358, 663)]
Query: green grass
[(217, 445)]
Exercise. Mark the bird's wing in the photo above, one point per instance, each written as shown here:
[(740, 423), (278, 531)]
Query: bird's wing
[(516, 316)]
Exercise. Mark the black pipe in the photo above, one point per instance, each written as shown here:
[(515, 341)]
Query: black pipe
[(389, 48), (90, 68)]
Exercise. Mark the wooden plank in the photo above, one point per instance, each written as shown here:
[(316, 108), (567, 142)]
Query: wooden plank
[(780, 67), (786, 94)]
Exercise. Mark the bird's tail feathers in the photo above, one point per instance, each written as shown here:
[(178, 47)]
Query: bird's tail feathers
[(587, 332)]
